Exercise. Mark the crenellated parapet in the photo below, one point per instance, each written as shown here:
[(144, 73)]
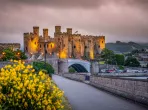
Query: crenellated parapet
[(76, 34), (102, 37), (65, 44), (27, 34)]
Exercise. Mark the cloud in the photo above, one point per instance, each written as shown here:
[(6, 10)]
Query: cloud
[(75, 3), (117, 19)]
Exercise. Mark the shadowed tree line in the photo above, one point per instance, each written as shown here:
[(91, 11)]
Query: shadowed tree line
[(118, 59)]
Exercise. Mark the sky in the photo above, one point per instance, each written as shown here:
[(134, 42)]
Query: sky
[(124, 20)]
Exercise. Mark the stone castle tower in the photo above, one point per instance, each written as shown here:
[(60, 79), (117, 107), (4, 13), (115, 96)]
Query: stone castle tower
[(64, 44)]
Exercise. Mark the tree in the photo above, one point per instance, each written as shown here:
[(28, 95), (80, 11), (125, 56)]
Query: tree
[(9, 54), (108, 56), (38, 66), (120, 59), (20, 54), (132, 62)]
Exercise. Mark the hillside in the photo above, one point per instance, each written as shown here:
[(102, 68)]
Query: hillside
[(125, 47)]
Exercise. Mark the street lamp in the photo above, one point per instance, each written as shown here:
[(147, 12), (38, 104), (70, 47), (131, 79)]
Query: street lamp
[(45, 51), (3, 53), (58, 55)]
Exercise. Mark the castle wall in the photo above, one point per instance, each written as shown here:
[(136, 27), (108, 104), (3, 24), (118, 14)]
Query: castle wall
[(101, 42), (64, 44), (91, 47), (77, 46), (12, 46), (64, 49)]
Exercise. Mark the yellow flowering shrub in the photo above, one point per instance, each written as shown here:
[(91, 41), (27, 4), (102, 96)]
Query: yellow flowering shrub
[(23, 89)]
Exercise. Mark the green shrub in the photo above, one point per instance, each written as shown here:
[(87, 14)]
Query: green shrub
[(120, 59), (20, 54), (44, 67), (72, 70), (121, 67), (9, 54), (132, 62)]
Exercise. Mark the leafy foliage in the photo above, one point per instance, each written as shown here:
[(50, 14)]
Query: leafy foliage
[(120, 59), (9, 54), (108, 56), (21, 88), (72, 70), (132, 62), (38, 66), (121, 67), (20, 54)]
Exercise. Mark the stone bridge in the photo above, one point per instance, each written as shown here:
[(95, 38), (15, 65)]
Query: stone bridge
[(62, 65)]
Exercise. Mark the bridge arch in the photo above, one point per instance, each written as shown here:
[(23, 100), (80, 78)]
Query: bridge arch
[(79, 65), (79, 68)]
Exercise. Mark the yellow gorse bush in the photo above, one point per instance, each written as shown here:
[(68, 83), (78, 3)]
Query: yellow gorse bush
[(21, 88)]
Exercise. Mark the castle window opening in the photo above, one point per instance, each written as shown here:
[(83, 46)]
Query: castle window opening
[(26, 49), (63, 43)]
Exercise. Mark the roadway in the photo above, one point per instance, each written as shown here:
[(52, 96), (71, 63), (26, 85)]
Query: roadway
[(85, 97)]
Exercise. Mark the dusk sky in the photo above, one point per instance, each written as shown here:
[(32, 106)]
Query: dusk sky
[(125, 20)]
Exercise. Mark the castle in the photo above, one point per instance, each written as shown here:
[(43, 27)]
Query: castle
[(64, 44)]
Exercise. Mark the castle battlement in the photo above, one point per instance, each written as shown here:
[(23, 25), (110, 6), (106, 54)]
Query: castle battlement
[(76, 34), (62, 42), (102, 37)]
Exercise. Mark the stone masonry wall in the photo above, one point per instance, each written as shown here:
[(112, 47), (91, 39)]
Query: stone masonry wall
[(134, 89), (77, 77)]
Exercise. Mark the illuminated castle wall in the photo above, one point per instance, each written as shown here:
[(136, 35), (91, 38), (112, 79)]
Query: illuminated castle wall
[(64, 44)]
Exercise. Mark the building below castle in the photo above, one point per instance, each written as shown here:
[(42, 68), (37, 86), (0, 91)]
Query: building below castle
[(13, 46), (64, 44)]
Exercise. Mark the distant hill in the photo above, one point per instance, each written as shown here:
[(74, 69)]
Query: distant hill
[(124, 47)]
